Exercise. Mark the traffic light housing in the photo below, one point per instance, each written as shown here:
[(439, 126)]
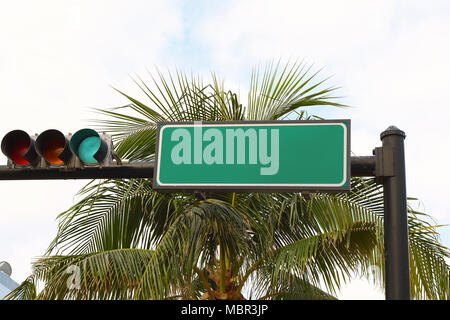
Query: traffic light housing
[(51, 148), (91, 147)]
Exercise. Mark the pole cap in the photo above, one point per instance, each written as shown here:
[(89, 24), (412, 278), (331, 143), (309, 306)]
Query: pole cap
[(392, 130)]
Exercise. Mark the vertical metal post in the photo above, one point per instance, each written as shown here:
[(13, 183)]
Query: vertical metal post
[(396, 218)]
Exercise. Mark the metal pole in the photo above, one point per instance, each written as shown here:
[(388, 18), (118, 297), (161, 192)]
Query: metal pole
[(396, 218)]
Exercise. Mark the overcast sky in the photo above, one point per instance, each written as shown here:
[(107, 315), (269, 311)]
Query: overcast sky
[(60, 58)]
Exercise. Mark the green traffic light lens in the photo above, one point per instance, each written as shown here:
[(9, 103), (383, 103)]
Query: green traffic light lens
[(88, 148)]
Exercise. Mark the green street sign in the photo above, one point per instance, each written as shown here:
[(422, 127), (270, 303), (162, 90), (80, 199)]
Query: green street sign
[(253, 156)]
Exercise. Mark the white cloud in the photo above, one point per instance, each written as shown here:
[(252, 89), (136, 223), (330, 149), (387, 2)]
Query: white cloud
[(361, 289), (28, 219), (251, 31)]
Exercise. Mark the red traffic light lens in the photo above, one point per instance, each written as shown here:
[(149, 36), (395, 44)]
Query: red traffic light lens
[(18, 150), (18, 146)]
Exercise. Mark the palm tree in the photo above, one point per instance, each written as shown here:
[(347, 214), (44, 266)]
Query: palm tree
[(130, 242)]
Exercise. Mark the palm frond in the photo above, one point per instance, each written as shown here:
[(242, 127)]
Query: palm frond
[(278, 93), (114, 214)]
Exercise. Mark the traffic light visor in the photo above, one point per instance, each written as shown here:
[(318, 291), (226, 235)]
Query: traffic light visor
[(18, 146), (88, 146)]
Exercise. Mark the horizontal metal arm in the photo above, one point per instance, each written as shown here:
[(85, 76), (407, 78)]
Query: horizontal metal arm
[(130, 170), (363, 166), (360, 167)]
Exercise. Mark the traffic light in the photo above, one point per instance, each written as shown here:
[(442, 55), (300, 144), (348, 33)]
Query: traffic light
[(89, 146), (51, 148)]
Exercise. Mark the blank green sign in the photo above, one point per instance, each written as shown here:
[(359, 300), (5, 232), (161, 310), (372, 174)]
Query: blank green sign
[(253, 156)]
